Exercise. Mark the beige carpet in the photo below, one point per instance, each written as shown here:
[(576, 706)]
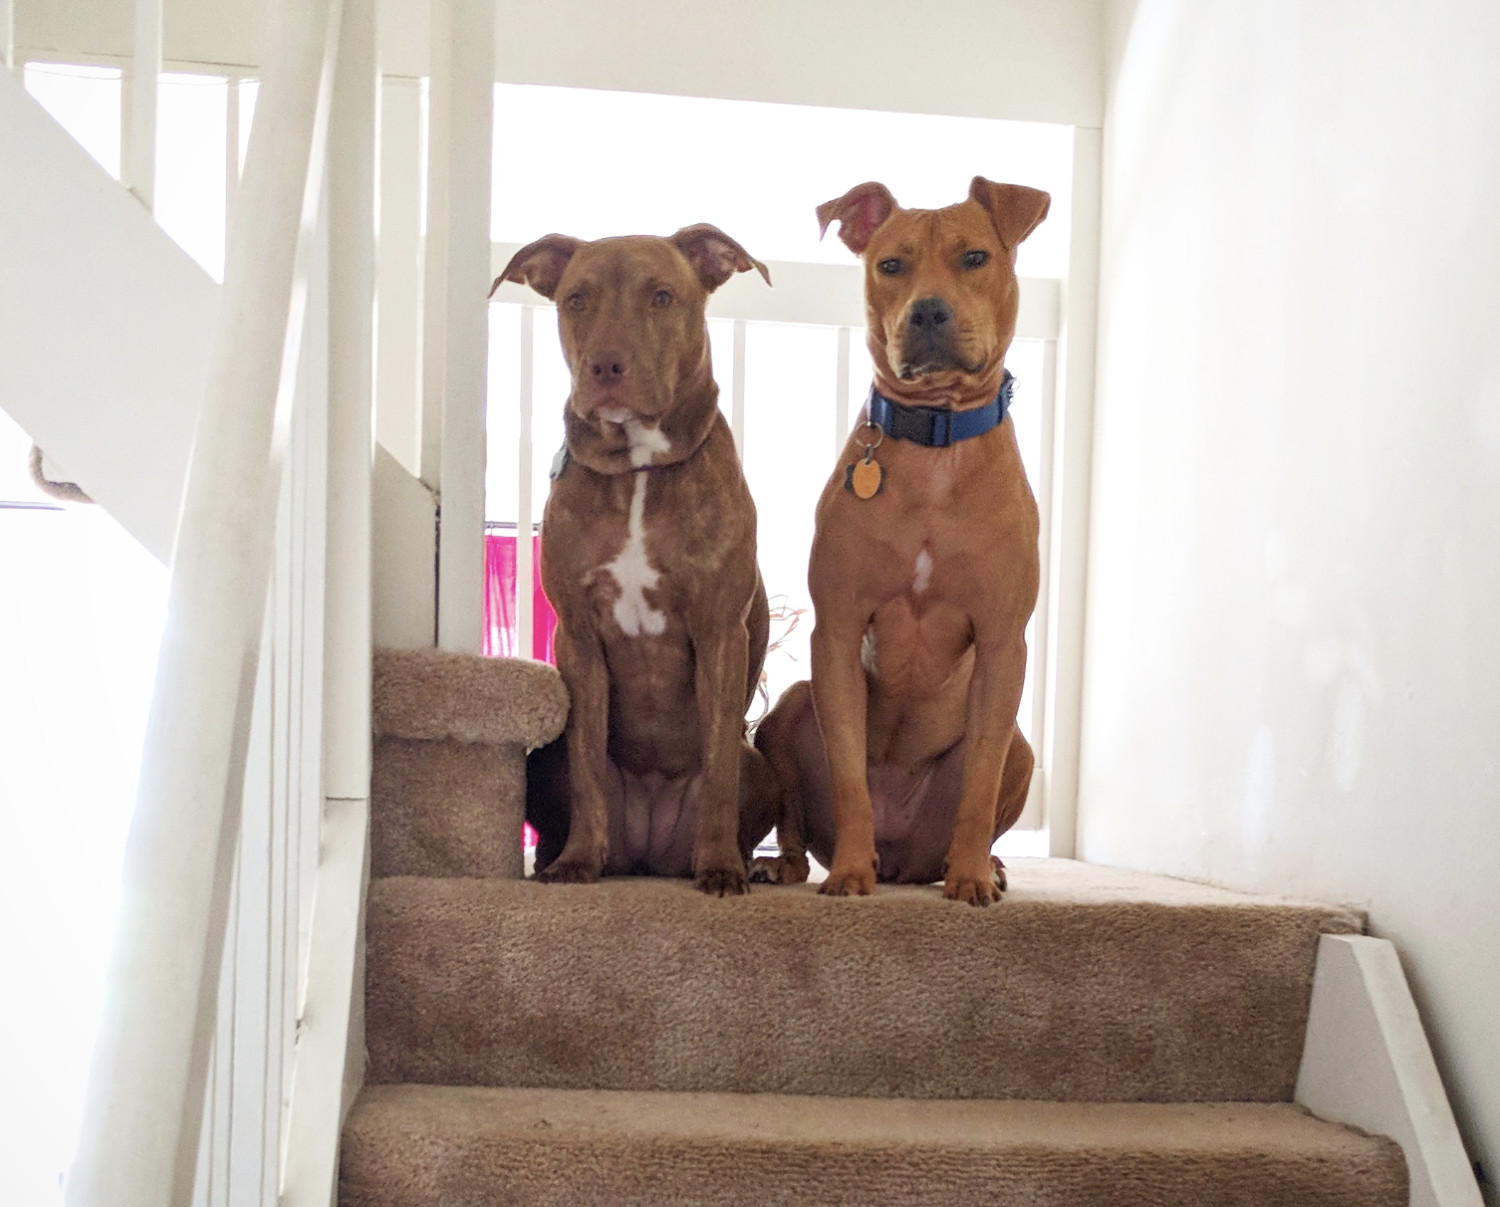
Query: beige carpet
[(423, 1145), (1099, 1039), (448, 786), (1081, 986)]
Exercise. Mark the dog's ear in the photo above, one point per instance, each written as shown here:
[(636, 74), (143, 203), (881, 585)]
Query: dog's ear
[(859, 213), (715, 257), (540, 264), (1014, 209)]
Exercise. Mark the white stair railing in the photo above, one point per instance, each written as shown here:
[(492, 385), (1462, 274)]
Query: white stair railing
[(325, 1076), (140, 97), (139, 1144), (104, 369)]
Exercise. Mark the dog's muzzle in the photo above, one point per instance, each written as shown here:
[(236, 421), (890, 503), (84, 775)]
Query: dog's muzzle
[(929, 339)]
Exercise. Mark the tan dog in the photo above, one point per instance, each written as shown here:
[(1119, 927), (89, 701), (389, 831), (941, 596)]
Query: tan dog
[(649, 559), (903, 758)]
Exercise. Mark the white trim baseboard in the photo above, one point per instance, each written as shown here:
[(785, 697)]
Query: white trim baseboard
[(1366, 1062)]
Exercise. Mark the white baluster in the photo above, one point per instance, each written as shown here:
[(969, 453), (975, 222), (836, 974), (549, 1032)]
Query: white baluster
[(8, 34), (841, 395), (1074, 458), (525, 567), (737, 389), (463, 91), (140, 103)]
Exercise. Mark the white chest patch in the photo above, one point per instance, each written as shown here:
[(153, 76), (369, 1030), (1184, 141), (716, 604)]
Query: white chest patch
[(631, 568), (923, 575), (645, 442)]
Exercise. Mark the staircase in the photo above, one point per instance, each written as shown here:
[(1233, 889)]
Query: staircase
[(105, 325), (1101, 1037)]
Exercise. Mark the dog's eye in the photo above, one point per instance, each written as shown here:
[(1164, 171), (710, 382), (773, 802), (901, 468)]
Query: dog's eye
[(574, 301), (976, 258), (660, 298), (892, 267)]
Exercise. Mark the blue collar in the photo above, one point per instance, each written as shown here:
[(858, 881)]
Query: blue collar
[(938, 427)]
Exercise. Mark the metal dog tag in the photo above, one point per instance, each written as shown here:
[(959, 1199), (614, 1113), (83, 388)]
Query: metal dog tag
[(866, 478)]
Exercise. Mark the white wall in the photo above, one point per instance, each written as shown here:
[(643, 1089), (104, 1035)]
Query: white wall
[(1293, 655), (1019, 59), (403, 568)]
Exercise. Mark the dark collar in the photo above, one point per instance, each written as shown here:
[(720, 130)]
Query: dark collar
[(938, 427), (563, 456)]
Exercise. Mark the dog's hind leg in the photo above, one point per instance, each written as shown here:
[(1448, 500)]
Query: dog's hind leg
[(760, 800), (779, 738)]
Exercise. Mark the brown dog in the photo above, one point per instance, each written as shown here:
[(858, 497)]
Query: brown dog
[(903, 758), (649, 559)]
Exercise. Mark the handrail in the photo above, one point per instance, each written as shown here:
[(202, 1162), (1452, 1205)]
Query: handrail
[(139, 1140)]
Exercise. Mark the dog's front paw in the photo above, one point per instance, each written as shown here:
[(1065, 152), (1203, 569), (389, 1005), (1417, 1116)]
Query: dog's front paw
[(851, 875), (722, 882), (856, 881), (982, 889), (784, 869), (569, 871)]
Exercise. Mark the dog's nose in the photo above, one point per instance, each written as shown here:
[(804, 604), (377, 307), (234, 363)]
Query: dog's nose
[(929, 314), (606, 368)]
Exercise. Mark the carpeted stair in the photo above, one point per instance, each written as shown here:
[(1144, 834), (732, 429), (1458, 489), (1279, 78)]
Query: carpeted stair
[(448, 786), (1100, 1038)]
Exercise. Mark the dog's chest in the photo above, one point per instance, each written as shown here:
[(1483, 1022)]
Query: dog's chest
[(619, 582)]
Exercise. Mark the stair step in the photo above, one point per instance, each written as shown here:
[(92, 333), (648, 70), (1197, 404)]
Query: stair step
[(416, 1146), (1085, 984)]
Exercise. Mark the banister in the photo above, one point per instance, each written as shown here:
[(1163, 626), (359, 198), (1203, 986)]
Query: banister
[(143, 1108)]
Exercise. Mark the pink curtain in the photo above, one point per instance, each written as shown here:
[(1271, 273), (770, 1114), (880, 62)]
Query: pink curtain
[(500, 638)]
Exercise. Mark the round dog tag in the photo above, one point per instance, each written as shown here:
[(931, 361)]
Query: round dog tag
[(865, 478)]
